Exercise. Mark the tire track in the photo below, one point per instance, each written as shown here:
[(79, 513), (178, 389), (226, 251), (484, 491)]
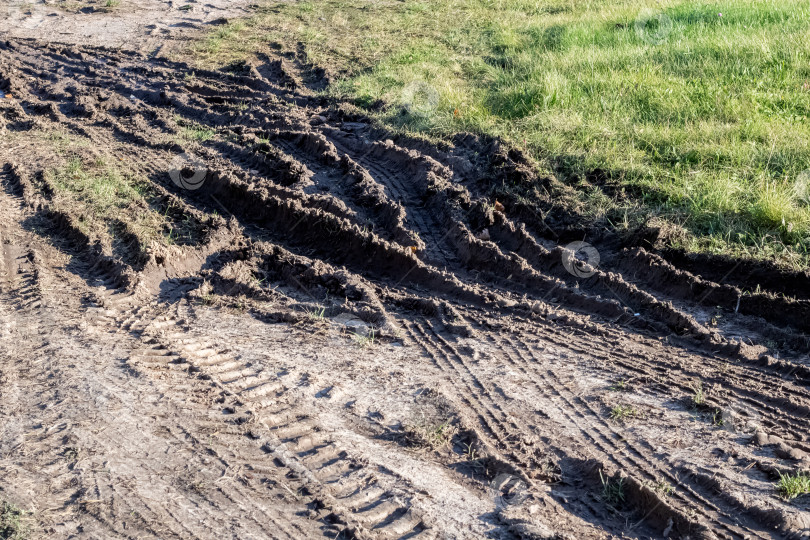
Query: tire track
[(289, 439), (625, 456), (425, 226), (737, 385), (600, 436), (113, 491), (408, 233)]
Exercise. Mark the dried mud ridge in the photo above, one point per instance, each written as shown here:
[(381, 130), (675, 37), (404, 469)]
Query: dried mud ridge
[(313, 221)]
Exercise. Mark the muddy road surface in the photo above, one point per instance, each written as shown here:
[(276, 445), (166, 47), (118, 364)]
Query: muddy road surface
[(342, 332)]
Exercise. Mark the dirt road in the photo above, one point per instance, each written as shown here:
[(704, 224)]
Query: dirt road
[(154, 27), (360, 334)]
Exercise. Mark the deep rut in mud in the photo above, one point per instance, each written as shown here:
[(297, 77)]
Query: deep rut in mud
[(335, 281)]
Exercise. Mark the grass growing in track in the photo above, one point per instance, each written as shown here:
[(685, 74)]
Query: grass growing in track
[(105, 189), (701, 114), (623, 412), (13, 524), (791, 486), (111, 203), (104, 194)]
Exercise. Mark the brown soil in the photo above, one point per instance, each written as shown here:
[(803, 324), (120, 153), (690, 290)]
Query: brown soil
[(149, 26), (352, 339)]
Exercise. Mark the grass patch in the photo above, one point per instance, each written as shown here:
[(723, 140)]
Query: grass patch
[(364, 340), (103, 188), (197, 133), (13, 525), (116, 206), (317, 314), (699, 395), (697, 112), (621, 413), (612, 490), (434, 436), (791, 486), (662, 487), (104, 196), (620, 386), (225, 34)]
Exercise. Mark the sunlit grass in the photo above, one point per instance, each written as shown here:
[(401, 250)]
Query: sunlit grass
[(791, 486), (704, 116), (105, 197), (14, 522)]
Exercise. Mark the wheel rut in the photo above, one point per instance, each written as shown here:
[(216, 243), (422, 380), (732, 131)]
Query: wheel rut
[(287, 436), (350, 332)]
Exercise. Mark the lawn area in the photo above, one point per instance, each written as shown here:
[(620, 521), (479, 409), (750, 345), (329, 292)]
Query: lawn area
[(699, 111)]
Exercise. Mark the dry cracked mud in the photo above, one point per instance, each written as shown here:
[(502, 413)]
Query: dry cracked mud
[(340, 333)]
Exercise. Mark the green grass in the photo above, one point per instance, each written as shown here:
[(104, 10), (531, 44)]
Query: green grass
[(12, 522), (623, 412), (102, 187), (662, 487), (620, 386), (224, 34), (197, 133), (699, 396), (612, 490), (702, 120), (103, 196), (317, 314), (791, 486), (364, 340)]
